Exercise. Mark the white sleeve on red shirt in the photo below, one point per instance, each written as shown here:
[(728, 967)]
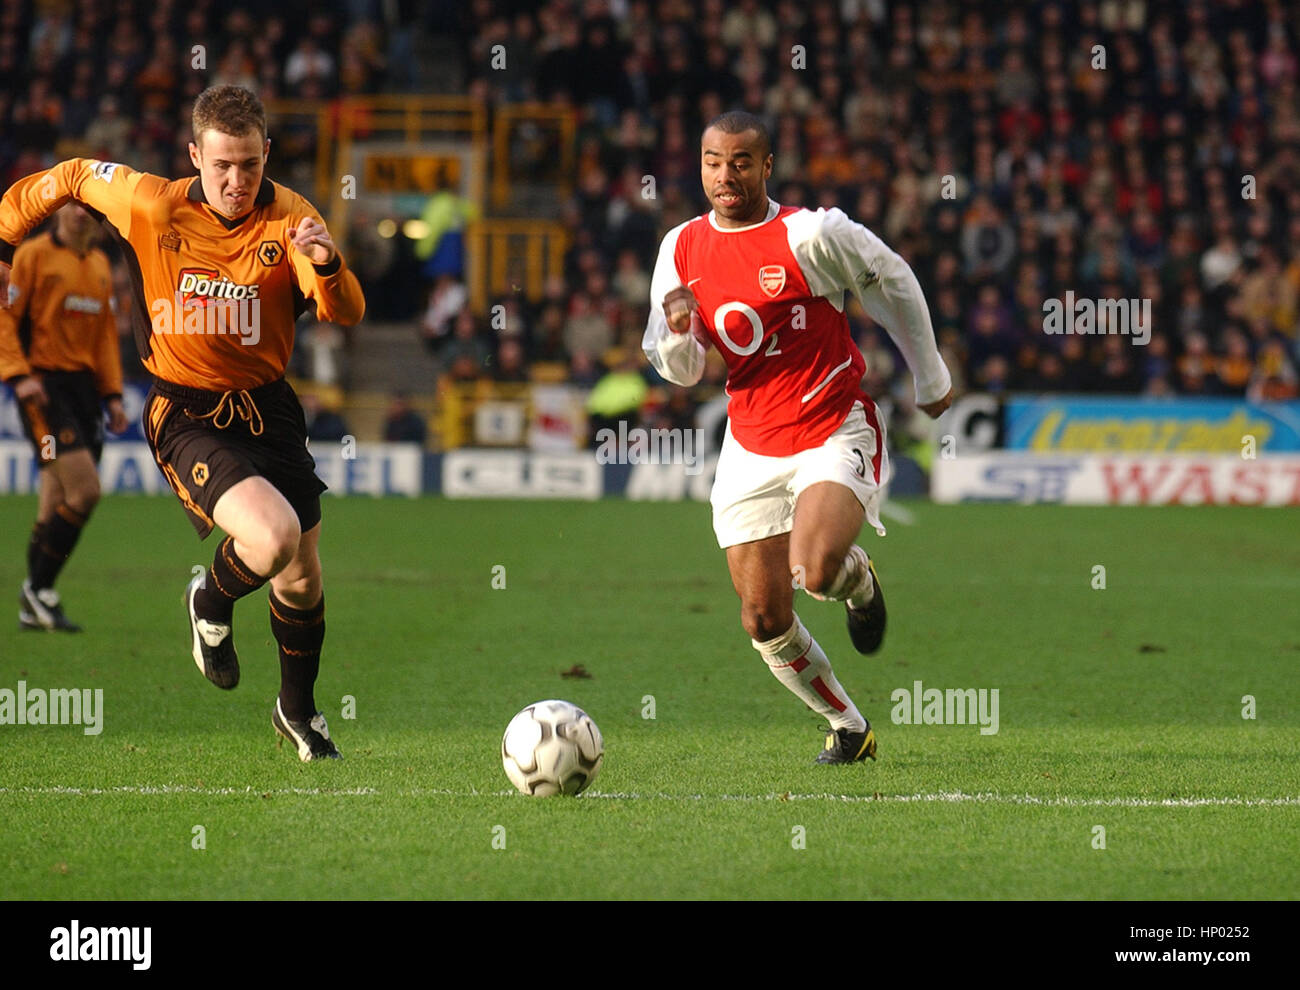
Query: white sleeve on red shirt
[(678, 357), (837, 254)]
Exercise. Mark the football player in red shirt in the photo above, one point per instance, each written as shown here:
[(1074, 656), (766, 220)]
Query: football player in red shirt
[(804, 457)]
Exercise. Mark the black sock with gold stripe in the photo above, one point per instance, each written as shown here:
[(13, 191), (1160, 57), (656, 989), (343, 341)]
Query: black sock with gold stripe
[(300, 633), (51, 546), (228, 580)]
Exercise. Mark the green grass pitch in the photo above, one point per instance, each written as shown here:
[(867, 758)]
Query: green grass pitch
[(1119, 707)]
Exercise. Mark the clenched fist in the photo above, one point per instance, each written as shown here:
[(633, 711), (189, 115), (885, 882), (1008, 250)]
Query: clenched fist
[(312, 239), (678, 307), (935, 409)]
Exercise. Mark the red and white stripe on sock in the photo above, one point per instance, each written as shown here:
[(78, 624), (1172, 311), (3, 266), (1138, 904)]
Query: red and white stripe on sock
[(799, 663)]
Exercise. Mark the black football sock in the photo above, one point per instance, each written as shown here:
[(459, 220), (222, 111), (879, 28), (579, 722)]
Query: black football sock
[(228, 580), (34, 550), (300, 633), (52, 545)]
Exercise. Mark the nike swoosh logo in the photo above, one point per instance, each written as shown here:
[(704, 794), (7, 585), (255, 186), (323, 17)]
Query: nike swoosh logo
[(694, 280)]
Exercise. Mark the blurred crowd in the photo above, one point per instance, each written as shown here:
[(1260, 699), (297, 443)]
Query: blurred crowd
[(1118, 149), (117, 80)]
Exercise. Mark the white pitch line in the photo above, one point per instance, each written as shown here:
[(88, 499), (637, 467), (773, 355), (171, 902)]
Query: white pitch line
[(186, 789), (938, 797), (960, 797)]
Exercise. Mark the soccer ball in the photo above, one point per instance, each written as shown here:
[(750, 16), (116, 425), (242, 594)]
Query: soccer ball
[(552, 747)]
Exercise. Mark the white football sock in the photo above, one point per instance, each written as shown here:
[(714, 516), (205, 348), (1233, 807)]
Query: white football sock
[(798, 662), (853, 583)]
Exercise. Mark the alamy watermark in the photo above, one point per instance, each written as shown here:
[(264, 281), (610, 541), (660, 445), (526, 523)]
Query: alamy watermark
[(1130, 317), (74, 943), (954, 706), (653, 446), (57, 706)]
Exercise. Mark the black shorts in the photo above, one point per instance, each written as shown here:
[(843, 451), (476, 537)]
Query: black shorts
[(72, 419), (207, 442)]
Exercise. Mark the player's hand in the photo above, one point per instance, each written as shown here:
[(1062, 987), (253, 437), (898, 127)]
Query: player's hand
[(29, 388), (312, 239), (4, 285), (935, 409), (117, 421), (679, 305)]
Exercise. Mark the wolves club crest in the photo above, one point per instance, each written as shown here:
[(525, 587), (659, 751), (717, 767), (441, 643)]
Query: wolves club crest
[(771, 279)]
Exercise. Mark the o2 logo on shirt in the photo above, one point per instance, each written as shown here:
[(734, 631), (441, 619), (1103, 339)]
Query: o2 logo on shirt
[(756, 323)]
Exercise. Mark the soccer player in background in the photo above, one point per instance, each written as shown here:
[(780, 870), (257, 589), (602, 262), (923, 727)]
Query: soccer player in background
[(804, 458), (221, 266), (58, 350)]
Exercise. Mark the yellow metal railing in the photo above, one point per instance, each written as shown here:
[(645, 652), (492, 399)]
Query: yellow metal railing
[(507, 256), (459, 401), (509, 117), (411, 119)]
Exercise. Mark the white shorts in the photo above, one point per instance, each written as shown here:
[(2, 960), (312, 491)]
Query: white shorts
[(753, 495)]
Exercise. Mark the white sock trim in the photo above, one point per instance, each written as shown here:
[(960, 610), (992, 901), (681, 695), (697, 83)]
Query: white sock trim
[(860, 597), (786, 648), (853, 583)]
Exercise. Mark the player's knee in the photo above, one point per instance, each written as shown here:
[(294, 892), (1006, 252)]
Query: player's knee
[(83, 499), (280, 542), (764, 622), (820, 573)]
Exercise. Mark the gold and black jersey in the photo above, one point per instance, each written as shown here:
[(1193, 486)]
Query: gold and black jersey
[(60, 315), (214, 299)]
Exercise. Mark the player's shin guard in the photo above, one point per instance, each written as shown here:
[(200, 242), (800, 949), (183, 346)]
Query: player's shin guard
[(52, 544), (228, 580), (798, 662), (300, 633), (853, 583)]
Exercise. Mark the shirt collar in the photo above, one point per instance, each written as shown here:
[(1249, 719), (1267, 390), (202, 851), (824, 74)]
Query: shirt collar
[(773, 208), (265, 195)]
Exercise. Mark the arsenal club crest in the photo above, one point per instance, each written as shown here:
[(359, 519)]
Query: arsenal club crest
[(771, 279)]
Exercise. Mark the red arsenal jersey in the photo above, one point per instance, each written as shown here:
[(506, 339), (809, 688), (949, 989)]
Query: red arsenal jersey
[(771, 301)]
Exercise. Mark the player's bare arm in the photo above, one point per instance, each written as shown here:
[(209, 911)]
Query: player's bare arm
[(117, 419)]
